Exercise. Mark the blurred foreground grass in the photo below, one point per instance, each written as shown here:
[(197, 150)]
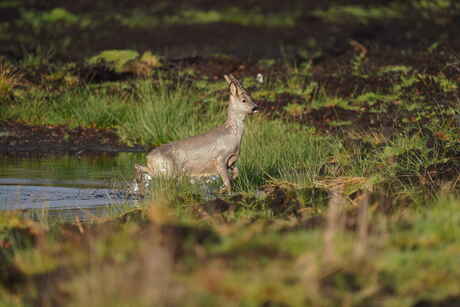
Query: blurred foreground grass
[(226, 253), (348, 192)]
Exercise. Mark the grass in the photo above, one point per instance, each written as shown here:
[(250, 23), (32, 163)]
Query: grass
[(9, 79), (297, 157), (234, 15), (360, 14), (409, 259), (348, 192), (166, 112)]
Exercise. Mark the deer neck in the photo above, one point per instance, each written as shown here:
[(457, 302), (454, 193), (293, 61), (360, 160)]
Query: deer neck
[(235, 122)]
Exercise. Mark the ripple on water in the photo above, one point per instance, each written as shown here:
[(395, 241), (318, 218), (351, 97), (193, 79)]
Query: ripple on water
[(14, 197)]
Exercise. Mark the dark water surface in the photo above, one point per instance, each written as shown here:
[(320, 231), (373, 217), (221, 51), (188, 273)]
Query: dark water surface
[(65, 183)]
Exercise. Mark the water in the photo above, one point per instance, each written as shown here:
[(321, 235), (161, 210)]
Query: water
[(66, 183)]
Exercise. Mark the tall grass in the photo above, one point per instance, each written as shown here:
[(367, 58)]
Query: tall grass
[(156, 113), (279, 151), (165, 112)]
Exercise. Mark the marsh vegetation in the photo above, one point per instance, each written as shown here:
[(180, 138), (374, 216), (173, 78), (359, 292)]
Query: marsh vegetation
[(348, 193)]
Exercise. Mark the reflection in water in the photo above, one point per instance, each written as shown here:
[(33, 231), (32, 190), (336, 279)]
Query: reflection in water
[(38, 197), (65, 182)]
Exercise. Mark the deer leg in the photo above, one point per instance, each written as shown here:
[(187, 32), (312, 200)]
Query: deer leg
[(161, 165), (142, 169), (235, 172), (142, 179), (222, 170), (231, 165)]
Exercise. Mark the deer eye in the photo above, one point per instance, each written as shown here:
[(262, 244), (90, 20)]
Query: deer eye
[(244, 100)]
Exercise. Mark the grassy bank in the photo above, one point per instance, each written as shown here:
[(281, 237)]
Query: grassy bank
[(348, 193)]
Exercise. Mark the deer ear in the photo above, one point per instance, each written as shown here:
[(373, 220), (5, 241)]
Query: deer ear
[(233, 89)]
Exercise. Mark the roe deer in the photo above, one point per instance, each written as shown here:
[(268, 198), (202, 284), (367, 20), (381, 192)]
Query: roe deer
[(212, 153)]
